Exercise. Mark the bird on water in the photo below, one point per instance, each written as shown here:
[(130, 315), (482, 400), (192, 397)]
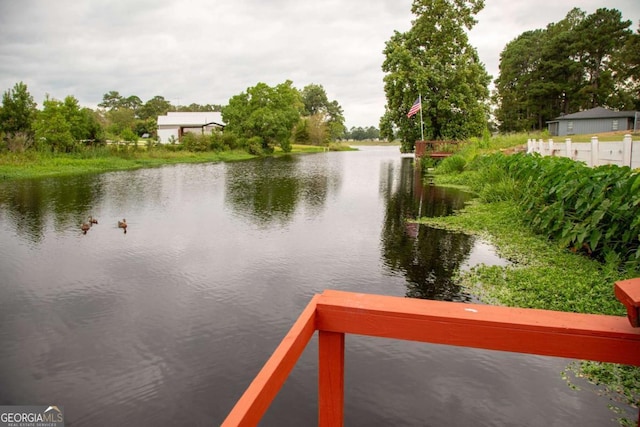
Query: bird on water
[(85, 227)]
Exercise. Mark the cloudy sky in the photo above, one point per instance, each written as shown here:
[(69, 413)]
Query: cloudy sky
[(207, 51)]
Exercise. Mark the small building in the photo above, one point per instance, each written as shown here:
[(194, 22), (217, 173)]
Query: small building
[(174, 124), (595, 120)]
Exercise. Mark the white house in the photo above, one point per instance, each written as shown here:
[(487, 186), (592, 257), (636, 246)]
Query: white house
[(175, 124)]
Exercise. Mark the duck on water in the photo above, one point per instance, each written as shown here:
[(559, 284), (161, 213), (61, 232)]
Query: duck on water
[(123, 224)]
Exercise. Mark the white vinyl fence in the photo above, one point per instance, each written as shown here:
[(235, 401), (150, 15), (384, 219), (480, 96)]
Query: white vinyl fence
[(594, 153)]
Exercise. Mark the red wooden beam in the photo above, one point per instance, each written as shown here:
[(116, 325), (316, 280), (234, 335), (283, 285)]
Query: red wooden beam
[(256, 399), (544, 332)]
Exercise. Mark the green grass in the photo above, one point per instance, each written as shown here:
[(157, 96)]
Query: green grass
[(33, 164), (369, 142), (542, 274)]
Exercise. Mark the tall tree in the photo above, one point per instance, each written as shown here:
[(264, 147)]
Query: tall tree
[(120, 119), (132, 102), (539, 76), (317, 103), (82, 121), (314, 98), (111, 100), (52, 129), (154, 107), (265, 113), (434, 59), (599, 37), (578, 63), (514, 96), (628, 72), (18, 111)]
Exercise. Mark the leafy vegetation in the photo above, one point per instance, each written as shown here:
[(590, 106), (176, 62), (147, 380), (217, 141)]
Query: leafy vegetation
[(34, 164), (324, 119), (595, 211), (264, 116)]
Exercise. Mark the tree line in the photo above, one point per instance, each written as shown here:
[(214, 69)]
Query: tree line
[(260, 118), (362, 133), (582, 61), (578, 63)]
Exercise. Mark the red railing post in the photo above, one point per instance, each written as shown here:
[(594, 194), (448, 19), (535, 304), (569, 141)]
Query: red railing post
[(628, 293), (330, 379)]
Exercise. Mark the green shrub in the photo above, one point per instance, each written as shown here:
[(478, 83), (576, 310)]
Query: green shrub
[(194, 142), (591, 210), (452, 164), (502, 190), (230, 141), (254, 146)]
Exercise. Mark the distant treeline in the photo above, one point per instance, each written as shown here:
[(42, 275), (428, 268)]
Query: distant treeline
[(360, 134), (257, 120)]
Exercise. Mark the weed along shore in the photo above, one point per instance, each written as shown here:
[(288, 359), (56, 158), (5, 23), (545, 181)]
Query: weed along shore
[(561, 259)]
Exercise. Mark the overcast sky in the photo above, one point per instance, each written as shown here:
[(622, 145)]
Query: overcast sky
[(208, 51)]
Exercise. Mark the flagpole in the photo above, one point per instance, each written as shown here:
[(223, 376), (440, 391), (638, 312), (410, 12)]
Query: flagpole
[(421, 122)]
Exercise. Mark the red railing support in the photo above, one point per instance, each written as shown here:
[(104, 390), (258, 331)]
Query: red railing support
[(331, 379)]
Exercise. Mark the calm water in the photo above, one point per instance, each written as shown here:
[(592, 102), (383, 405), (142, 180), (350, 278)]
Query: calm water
[(168, 323)]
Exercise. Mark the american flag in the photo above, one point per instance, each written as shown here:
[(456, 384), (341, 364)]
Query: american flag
[(415, 108)]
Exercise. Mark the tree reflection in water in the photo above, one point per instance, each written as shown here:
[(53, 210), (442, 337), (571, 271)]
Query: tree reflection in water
[(269, 191), (426, 256)]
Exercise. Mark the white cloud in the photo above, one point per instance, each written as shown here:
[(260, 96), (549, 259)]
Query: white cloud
[(206, 52)]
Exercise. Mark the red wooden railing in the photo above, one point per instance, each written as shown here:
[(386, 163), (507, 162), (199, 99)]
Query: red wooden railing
[(435, 149), (335, 313)]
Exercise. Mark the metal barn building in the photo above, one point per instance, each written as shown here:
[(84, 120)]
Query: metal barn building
[(175, 124), (595, 120)]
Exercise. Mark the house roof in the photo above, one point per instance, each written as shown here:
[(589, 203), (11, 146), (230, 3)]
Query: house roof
[(597, 113), (175, 118)]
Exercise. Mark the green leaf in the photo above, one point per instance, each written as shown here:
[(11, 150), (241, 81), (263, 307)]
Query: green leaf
[(636, 183), (594, 239)]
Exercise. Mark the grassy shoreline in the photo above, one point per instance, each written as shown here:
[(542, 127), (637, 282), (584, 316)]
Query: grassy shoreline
[(29, 165)]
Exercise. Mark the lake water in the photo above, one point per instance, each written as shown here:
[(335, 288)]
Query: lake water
[(168, 323)]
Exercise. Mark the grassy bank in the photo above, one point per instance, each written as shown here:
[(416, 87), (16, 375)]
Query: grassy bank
[(33, 164), (541, 274)]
